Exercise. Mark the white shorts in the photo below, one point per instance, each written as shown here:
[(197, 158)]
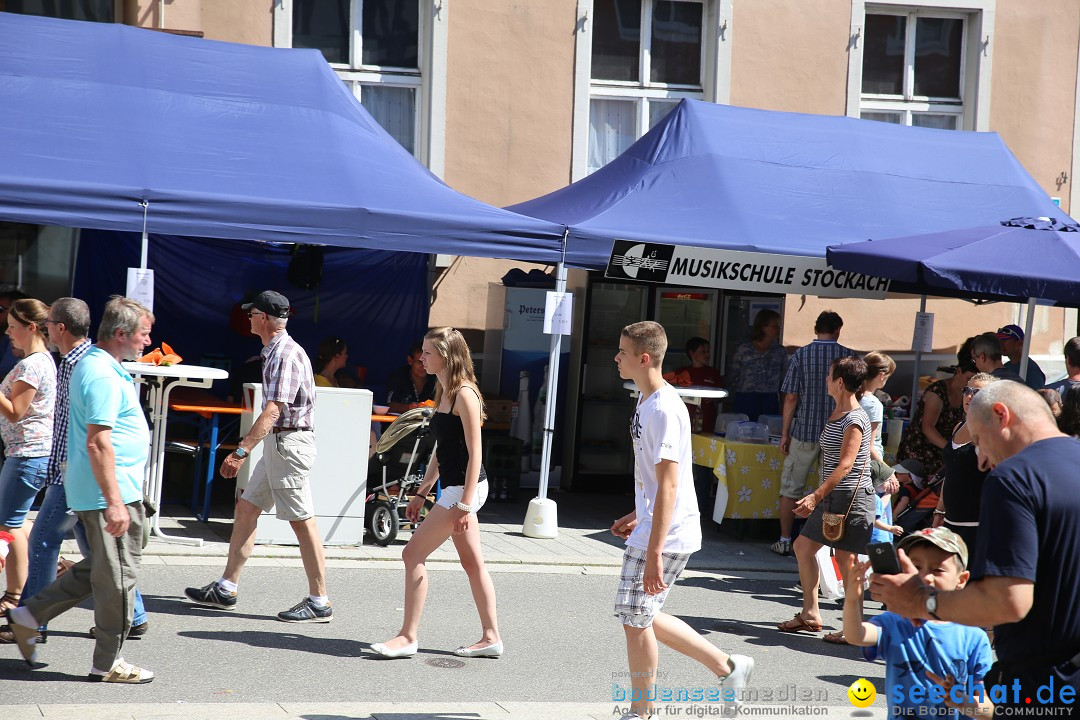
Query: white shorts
[(451, 496)]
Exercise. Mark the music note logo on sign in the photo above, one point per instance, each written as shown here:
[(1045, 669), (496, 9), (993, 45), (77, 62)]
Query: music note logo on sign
[(640, 261)]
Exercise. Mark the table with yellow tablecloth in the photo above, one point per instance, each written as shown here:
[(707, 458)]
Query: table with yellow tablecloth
[(749, 474)]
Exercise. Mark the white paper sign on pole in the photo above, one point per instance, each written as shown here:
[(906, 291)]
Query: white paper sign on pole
[(923, 341), (140, 286), (558, 313)]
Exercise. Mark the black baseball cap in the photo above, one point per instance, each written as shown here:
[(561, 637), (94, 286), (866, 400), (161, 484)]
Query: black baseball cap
[(272, 303)]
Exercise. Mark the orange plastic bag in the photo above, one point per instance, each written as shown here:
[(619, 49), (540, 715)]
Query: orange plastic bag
[(161, 356)]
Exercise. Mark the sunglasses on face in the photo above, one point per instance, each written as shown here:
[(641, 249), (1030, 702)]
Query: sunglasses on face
[(971, 392)]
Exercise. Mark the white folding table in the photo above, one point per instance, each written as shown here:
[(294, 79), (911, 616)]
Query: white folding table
[(154, 377)]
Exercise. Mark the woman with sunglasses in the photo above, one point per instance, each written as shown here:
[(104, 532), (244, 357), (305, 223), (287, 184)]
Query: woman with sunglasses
[(26, 419), (961, 491)]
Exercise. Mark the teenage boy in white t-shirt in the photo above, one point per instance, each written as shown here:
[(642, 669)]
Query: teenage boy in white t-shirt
[(663, 530)]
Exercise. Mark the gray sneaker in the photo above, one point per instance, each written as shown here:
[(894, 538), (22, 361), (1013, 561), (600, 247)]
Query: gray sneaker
[(306, 611), (212, 596)]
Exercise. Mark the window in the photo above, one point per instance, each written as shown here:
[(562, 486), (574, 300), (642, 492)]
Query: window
[(383, 51), (913, 65), (93, 10), (37, 259), (646, 56)]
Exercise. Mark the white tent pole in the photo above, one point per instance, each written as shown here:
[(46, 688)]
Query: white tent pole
[(542, 517), (918, 360), (145, 237), (552, 388), (1027, 338)]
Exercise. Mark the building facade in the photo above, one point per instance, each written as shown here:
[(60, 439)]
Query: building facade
[(507, 100)]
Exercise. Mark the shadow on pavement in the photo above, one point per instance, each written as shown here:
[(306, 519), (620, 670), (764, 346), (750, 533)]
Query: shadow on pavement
[(17, 669), (766, 635), (396, 716), (334, 647), (171, 605), (844, 681)]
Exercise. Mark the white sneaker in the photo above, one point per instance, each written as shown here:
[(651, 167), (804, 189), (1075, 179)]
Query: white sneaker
[(736, 681)]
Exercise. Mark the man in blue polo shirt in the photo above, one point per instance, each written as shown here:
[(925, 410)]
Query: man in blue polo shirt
[(807, 406), (108, 446)]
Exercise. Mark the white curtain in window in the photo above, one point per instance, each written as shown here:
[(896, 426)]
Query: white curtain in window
[(933, 120), (612, 126), (658, 110), (394, 108), (889, 117)]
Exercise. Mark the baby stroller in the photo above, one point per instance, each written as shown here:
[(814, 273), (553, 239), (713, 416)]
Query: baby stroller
[(396, 471), (919, 513)]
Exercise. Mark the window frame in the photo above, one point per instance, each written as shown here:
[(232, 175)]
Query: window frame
[(976, 61), (428, 80), (118, 13), (715, 73)]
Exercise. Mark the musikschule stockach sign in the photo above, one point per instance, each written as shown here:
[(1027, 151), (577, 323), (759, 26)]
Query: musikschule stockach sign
[(736, 270)]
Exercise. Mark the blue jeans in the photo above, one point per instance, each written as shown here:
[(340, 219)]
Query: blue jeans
[(53, 523), (20, 481)]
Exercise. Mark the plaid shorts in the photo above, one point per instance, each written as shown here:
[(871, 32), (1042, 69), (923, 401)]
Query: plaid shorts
[(633, 606)]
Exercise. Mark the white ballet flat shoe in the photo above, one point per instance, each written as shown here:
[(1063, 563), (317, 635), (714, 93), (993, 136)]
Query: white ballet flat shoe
[(493, 650), (403, 652)]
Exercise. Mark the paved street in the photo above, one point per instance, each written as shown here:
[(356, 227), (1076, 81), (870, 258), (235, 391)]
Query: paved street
[(563, 647)]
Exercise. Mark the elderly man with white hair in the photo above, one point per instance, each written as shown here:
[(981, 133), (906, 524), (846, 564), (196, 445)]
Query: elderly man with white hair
[(1025, 574), (281, 478)]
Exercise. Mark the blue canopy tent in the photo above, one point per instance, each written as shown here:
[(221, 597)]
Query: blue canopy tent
[(222, 141), (733, 178), (1027, 259), (115, 128), (1016, 259)]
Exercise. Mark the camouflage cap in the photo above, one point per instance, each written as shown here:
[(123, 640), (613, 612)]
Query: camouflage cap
[(940, 537)]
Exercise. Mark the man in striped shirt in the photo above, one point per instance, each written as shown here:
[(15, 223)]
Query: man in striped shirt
[(286, 429), (807, 406)]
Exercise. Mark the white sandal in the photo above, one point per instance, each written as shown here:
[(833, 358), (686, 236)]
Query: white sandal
[(124, 672)]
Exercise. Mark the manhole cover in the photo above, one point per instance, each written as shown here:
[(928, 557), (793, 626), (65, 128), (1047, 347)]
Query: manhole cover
[(447, 663)]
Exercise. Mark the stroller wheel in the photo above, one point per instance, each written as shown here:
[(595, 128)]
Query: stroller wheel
[(383, 522)]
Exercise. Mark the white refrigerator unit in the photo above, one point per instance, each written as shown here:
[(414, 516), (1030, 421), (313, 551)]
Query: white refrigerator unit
[(339, 477)]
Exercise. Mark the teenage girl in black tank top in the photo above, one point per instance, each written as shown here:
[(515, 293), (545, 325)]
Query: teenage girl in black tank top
[(456, 423), (452, 451)]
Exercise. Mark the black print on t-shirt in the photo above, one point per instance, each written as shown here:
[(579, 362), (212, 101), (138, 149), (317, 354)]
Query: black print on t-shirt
[(635, 426)]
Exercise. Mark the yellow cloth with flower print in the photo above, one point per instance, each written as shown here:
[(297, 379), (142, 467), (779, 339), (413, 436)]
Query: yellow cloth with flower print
[(751, 473)]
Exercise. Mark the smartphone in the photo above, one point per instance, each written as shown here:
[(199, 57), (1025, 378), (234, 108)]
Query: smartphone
[(883, 558)]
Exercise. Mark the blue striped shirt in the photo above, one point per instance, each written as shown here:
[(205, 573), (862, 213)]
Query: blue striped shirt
[(60, 411), (807, 372)]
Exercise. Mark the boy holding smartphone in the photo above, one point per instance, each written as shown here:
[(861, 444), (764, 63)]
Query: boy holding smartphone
[(923, 657)]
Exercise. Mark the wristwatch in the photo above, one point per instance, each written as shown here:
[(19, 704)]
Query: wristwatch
[(931, 604), (240, 452), (463, 507)]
